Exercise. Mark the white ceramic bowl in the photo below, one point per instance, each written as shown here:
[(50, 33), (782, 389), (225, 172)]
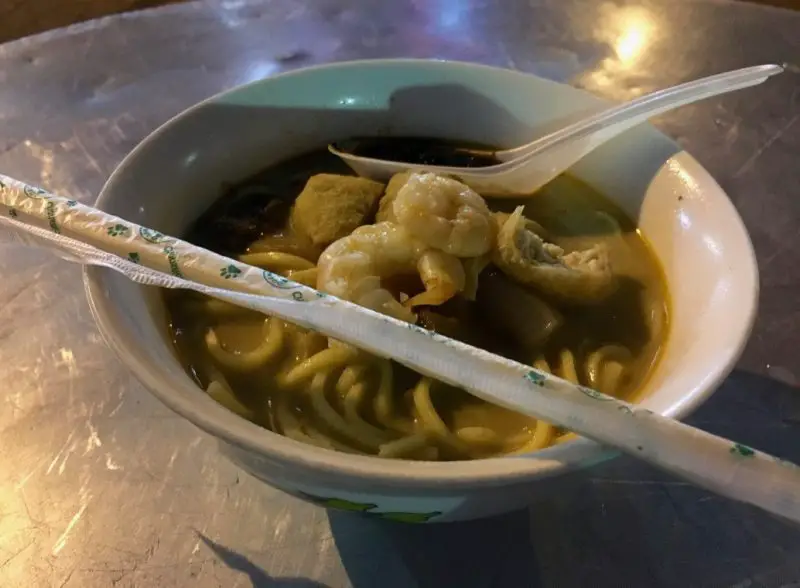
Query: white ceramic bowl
[(176, 173)]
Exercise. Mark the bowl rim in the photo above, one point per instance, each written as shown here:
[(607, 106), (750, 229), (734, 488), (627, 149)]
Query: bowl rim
[(216, 420)]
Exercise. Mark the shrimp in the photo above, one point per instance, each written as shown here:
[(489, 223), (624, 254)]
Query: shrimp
[(353, 267), (445, 214), (386, 205)]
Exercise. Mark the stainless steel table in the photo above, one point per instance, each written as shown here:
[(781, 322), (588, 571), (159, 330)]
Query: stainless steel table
[(100, 485)]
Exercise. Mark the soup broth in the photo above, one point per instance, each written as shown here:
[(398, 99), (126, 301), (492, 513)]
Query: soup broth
[(299, 384)]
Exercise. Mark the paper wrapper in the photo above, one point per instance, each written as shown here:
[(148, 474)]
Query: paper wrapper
[(84, 234)]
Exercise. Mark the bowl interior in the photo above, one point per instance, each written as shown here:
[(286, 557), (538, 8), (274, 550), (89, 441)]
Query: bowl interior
[(175, 174)]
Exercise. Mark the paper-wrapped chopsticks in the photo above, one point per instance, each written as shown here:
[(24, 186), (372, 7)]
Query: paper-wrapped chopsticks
[(90, 236)]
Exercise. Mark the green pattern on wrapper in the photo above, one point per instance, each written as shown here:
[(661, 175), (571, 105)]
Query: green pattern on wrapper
[(151, 236), (277, 281), (230, 271), (594, 393), (134, 257), (535, 378), (118, 230), (172, 259), (51, 216), (742, 450), (32, 192), (418, 329)]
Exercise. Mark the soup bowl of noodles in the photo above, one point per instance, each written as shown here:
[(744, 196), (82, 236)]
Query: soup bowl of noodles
[(632, 274)]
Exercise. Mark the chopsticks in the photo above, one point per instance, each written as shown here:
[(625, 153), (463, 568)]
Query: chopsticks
[(87, 235)]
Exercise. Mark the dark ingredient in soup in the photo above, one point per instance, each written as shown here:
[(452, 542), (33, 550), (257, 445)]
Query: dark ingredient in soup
[(515, 299), (418, 150)]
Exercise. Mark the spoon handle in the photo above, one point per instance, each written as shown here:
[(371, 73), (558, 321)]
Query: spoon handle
[(617, 119), (143, 255)]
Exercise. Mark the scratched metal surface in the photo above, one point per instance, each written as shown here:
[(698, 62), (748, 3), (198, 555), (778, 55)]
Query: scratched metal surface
[(100, 485)]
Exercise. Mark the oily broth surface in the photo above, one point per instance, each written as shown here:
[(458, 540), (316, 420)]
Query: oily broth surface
[(634, 317)]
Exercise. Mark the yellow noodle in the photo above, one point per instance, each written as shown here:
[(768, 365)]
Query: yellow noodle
[(542, 365), (222, 393), (353, 402), (332, 358), (593, 368), (350, 375), (290, 427), (543, 435), (307, 343), (409, 446), (276, 261), (566, 437), (543, 432), (216, 308), (613, 375), (287, 422), (481, 436), (384, 401), (605, 368), (567, 369), (430, 420), (304, 276), (332, 443), (360, 436), (315, 438), (220, 307), (246, 361)]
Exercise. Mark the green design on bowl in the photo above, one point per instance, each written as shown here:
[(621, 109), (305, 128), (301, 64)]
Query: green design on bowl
[(369, 509)]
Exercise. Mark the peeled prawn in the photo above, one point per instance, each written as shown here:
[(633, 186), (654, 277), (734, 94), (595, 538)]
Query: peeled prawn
[(445, 214), (580, 277), (352, 268), (386, 206)]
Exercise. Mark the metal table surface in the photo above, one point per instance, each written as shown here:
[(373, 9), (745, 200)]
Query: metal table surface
[(101, 485)]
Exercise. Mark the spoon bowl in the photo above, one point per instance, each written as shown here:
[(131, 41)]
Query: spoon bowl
[(524, 169)]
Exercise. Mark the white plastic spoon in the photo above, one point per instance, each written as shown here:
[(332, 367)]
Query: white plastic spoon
[(526, 168)]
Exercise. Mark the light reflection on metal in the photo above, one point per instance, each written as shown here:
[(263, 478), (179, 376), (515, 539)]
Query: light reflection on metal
[(630, 33), (636, 32), (62, 540), (258, 71)]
